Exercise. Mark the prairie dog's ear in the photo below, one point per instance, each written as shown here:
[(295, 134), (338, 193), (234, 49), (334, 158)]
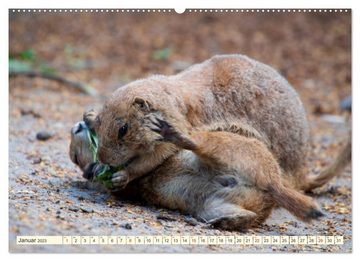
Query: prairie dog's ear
[(91, 119), (142, 104)]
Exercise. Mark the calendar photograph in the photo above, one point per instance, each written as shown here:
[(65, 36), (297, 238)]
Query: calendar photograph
[(155, 131)]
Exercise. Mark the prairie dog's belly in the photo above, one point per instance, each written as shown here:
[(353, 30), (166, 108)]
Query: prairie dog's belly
[(187, 182)]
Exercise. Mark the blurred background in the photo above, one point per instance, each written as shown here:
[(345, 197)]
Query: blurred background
[(312, 50), (56, 58)]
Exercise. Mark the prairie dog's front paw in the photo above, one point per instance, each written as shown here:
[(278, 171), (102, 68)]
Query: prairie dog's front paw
[(167, 132), (119, 180), (157, 124)]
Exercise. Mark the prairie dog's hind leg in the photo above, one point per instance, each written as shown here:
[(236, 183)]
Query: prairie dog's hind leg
[(198, 193), (252, 160), (226, 215), (249, 158)]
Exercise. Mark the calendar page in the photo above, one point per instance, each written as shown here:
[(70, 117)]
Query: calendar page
[(159, 131)]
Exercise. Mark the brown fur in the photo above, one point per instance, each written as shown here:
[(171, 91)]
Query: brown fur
[(225, 141)]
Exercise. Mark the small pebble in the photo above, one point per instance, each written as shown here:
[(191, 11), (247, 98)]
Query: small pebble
[(127, 226), (346, 104), (60, 217), (87, 210), (37, 160), (75, 209), (43, 135), (191, 221), (165, 218)]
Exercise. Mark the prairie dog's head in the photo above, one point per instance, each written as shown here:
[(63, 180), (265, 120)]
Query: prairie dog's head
[(122, 134), (80, 146), (125, 138)]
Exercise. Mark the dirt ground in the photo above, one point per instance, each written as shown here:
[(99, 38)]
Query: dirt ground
[(48, 196)]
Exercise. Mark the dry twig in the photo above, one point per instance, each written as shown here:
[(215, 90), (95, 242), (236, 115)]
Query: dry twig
[(77, 85)]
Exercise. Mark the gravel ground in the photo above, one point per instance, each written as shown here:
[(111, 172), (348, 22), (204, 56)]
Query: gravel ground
[(48, 196)]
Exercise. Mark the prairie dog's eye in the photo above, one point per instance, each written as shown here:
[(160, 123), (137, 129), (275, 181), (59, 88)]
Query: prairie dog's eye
[(122, 131)]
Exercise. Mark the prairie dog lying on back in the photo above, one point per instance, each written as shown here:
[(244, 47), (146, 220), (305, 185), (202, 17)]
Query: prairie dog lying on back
[(205, 182)]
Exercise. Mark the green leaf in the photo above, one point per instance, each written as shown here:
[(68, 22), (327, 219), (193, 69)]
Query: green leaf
[(27, 55), (162, 54), (93, 144), (105, 176), (19, 66)]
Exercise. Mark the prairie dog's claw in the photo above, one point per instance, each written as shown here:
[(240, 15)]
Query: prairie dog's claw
[(119, 180), (168, 133)]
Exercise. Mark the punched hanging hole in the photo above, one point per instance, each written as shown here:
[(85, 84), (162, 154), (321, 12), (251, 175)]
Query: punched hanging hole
[(180, 10)]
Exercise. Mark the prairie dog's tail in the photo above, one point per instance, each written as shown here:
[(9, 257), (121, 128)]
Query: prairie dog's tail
[(335, 169), (300, 205)]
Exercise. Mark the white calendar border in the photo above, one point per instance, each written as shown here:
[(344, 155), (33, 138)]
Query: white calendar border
[(180, 5)]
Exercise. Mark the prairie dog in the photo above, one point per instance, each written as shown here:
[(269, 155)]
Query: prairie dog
[(213, 186), (230, 93)]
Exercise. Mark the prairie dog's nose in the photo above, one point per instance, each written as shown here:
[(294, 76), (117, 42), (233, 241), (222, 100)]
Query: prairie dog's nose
[(80, 126)]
